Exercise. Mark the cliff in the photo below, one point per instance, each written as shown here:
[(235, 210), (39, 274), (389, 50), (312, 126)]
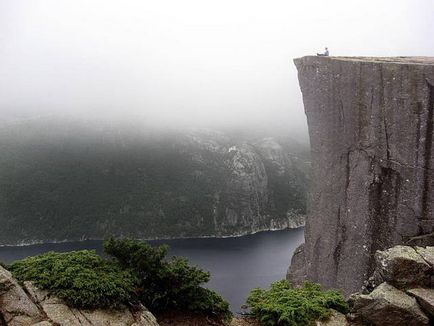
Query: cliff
[(371, 131)]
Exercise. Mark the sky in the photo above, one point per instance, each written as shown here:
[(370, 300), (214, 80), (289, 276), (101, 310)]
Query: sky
[(189, 62)]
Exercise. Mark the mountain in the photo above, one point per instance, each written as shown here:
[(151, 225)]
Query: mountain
[(85, 180)]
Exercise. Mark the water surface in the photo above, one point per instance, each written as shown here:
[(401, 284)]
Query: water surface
[(236, 264)]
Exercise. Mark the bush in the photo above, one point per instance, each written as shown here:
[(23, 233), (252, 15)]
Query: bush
[(166, 283), (288, 306), (137, 272), (81, 278)]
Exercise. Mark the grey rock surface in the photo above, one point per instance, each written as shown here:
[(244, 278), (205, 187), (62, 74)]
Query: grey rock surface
[(256, 175), (425, 298), (371, 131), (337, 319), (143, 317), (388, 306), (35, 307), (297, 270), (427, 254), (59, 313), (402, 267), (16, 308)]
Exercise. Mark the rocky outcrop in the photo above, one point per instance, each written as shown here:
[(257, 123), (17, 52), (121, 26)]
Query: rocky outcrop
[(30, 306), (388, 306), (248, 200), (425, 297), (402, 267), (16, 308), (371, 131), (400, 291)]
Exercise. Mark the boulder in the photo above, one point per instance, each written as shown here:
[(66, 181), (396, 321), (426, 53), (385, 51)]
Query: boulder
[(388, 306), (425, 298), (16, 308), (402, 267)]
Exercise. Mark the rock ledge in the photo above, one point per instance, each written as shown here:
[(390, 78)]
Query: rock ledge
[(30, 306)]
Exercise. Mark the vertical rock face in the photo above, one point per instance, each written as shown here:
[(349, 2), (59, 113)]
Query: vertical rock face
[(371, 130)]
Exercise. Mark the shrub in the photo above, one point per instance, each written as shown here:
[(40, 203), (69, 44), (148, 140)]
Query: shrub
[(81, 278), (137, 271), (285, 305), (166, 283)]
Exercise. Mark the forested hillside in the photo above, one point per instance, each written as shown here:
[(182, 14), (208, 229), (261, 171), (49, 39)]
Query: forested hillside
[(80, 180)]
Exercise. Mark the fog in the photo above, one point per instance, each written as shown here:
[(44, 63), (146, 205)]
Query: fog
[(225, 63)]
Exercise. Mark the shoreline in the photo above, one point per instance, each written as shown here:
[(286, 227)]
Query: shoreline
[(237, 235)]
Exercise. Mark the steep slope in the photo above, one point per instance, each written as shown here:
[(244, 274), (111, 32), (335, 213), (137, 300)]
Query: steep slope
[(79, 181), (371, 130)]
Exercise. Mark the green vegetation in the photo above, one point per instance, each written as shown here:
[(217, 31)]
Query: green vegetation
[(136, 271), (285, 305), (75, 181), (81, 278), (167, 283)]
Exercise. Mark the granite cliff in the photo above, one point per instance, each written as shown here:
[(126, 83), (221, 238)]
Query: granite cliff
[(371, 131)]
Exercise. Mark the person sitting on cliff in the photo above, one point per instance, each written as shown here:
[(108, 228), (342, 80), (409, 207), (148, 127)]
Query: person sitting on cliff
[(325, 54)]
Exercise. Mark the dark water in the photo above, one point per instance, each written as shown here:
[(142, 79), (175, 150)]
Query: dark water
[(236, 264)]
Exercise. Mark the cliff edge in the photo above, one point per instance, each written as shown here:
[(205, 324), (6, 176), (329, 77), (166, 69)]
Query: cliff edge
[(371, 131), (30, 306)]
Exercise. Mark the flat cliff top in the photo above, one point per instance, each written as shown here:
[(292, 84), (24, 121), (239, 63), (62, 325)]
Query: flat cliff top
[(397, 60)]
